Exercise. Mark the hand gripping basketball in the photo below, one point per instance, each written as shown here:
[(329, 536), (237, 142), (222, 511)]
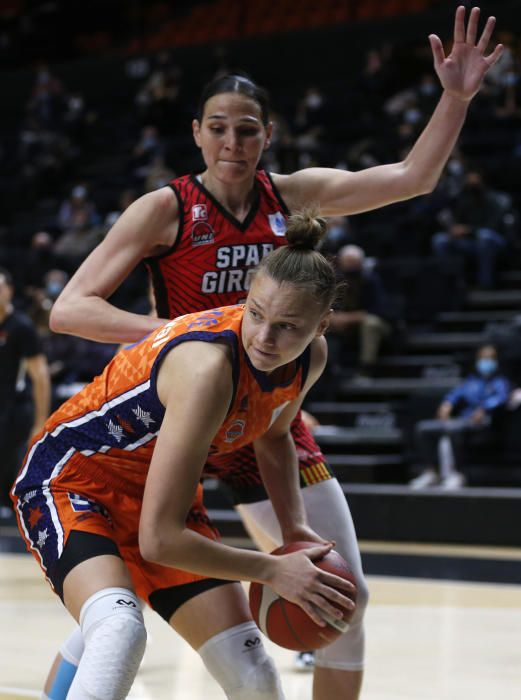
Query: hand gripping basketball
[(286, 623)]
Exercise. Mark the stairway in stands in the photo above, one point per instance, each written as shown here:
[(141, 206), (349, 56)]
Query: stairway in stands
[(365, 432)]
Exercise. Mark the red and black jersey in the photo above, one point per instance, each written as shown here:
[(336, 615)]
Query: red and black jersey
[(209, 265)]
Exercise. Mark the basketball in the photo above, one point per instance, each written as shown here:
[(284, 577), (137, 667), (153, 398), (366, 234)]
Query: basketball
[(286, 623)]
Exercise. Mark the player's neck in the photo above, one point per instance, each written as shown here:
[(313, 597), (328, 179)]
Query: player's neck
[(237, 199)]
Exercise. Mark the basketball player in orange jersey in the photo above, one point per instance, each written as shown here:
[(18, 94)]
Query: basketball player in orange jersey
[(109, 498), (201, 236)]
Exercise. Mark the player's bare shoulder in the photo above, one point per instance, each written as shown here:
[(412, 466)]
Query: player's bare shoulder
[(198, 364), (158, 211)]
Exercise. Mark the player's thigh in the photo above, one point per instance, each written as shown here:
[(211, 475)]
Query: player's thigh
[(210, 613), (93, 575)]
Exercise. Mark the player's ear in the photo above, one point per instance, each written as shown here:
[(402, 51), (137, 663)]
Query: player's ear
[(269, 134), (196, 131), (324, 323)]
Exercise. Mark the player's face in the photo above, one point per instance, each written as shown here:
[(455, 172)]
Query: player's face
[(280, 320), (231, 136)]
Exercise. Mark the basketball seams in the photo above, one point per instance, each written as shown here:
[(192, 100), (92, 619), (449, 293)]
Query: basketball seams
[(282, 605)]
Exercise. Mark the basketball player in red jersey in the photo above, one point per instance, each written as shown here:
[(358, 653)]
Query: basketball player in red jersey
[(201, 235), (109, 498)]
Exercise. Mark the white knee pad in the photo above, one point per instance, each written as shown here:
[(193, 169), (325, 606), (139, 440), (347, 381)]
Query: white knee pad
[(328, 514), (115, 638), (238, 661), (72, 648)]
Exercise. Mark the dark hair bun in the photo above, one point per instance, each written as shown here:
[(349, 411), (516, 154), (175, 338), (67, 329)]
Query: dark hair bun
[(305, 229)]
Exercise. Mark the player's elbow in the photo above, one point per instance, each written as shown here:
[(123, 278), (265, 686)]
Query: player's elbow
[(154, 547), (416, 181), (58, 317)]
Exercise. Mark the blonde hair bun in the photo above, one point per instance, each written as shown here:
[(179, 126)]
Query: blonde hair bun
[(306, 229)]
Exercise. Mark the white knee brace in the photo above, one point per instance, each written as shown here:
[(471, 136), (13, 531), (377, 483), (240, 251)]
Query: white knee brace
[(115, 638), (238, 661)]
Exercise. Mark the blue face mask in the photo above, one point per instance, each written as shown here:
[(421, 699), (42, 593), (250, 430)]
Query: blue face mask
[(486, 366)]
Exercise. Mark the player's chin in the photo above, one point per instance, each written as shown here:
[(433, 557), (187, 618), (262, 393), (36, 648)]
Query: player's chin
[(265, 362), (234, 171)]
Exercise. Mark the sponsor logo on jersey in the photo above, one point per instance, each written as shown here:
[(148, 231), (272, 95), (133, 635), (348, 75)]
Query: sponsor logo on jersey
[(277, 223), (202, 233), (234, 264), (235, 430), (199, 212)]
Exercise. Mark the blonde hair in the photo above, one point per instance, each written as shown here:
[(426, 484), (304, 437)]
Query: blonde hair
[(299, 263)]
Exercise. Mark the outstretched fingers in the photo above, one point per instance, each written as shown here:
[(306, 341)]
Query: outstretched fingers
[(459, 25), (495, 55), (486, 34), (472, 26), (437, 49)]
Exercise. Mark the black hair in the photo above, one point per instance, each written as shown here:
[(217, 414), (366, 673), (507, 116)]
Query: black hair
[(240, 84)]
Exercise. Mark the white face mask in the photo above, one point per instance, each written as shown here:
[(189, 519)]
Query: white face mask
[(314, 101)]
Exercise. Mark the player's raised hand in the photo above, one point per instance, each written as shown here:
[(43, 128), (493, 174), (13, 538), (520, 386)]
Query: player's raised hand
[(462, 71)]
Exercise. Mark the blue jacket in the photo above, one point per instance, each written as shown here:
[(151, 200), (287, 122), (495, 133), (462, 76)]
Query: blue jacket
[(478, 392)]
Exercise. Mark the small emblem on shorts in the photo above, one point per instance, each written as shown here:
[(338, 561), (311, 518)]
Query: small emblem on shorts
[(42, 538), (277, 223), (35, 515), (235, 430)]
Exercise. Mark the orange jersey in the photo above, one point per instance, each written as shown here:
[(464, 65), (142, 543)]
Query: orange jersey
[(117, 416), (210, 263)]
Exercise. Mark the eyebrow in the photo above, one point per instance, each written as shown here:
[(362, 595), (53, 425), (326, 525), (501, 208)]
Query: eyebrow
[(259, 307), (247, 118)]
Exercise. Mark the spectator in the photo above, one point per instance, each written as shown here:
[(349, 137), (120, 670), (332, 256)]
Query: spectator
[(77, 212), (474, 223), (21, 415), (468, 408), (147, 151), (361, 311), (338, 234)]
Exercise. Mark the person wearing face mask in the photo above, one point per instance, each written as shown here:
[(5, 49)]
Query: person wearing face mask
[(468, 408), (474, 222), (361, 311)]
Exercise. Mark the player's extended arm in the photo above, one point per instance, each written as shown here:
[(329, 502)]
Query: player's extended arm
[(38, 370), (278, 462), (81, 309), (461, 74)]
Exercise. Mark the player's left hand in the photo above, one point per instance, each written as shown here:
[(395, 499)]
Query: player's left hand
[(462, 71), (304, 533)]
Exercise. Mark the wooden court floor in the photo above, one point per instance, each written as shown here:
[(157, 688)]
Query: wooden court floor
[(426, 640)]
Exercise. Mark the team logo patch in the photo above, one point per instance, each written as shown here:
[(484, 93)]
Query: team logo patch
[(235, 430), (202, 233), (80, 504), (277, 223)]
